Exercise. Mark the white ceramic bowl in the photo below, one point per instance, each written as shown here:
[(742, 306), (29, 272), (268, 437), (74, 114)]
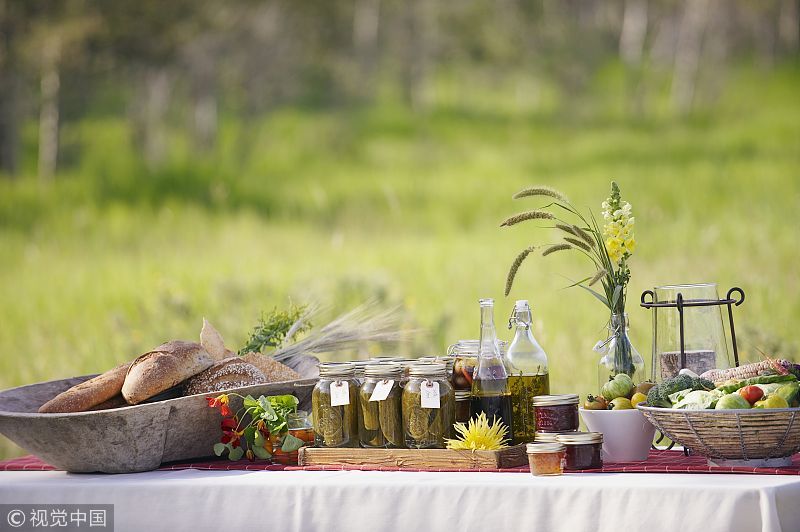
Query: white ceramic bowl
[(627, 435)]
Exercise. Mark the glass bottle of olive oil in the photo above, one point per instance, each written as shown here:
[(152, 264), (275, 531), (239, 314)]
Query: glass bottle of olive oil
[(490, 393), (528, 372)]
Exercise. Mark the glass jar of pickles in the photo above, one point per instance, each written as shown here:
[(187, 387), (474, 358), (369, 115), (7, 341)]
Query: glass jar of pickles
[(380, 397), (428, 407), (334, 404)]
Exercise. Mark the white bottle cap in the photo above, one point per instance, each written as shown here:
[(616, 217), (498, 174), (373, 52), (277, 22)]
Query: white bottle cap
[(521, 304)]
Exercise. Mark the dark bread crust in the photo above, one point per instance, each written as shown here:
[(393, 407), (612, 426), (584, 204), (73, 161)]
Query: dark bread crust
[(230, 373)]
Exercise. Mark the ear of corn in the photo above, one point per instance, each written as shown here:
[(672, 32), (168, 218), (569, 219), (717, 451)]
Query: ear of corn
[(742, 372)]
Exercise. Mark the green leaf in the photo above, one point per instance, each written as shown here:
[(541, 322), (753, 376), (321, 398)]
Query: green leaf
[(615, 297), (235, 453), (219, 448), (250, 402), (260, 452), (576, 283), (259, 439), (291, 443), (250, 434), (598, 295), (269, 412)]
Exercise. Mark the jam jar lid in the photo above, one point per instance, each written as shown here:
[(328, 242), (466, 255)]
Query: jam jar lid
[(428, 369), (555, 400), (579, 438), (534, 448), (336, 369), (548, 437)]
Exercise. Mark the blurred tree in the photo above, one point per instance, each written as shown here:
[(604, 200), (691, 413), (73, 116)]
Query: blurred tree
[(57, 39)]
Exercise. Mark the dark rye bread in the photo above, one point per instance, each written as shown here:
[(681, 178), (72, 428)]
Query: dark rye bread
[(88, 394), (230, 373), (164, 367)]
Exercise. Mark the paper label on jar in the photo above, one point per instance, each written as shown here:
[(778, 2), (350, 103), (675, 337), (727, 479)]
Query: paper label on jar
[(381, 391), (340, 394), (429, 390)]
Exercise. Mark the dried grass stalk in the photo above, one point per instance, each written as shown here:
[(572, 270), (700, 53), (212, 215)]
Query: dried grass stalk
[(584, 235), (512, 273), (541, 191), (530, 215), (578, 243), (557, 247), (599, 275), (365, 323)]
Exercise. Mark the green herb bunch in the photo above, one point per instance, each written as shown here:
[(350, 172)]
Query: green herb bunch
[(276, 328)]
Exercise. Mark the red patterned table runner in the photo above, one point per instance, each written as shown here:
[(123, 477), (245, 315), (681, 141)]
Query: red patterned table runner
[(657, 462)]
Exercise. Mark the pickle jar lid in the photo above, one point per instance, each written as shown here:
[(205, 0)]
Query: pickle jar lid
[(534, 448), (547, 437), (386, 359), (463, 395), (555, 400), (580, 438), (336, 369), (428, 369), (384, 369)]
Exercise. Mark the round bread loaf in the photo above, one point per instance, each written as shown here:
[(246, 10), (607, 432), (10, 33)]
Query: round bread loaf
[(164, 367), (88, 394), (230, 373)]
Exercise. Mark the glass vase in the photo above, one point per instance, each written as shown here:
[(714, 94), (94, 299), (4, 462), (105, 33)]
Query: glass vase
[(618, 354)]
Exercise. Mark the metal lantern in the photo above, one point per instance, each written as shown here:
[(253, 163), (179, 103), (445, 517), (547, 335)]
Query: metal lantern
[(688, 330)]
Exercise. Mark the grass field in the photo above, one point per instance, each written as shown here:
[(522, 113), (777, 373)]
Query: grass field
[(343, 205)]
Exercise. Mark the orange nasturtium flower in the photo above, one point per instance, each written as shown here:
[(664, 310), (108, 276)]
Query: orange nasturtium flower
[(220, 402)]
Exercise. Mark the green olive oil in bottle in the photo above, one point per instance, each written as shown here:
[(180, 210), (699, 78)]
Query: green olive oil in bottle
[(528, 372), (490, 393)]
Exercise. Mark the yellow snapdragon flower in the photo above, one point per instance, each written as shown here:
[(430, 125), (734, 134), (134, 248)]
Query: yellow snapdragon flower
[(618, 230)]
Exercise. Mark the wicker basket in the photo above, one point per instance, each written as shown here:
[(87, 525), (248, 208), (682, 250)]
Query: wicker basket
[(732, 437)]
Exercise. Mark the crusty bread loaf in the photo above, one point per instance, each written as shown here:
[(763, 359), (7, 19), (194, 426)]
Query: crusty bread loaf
[(230, 373), (115, 402), (88, 394), (164, 367), (273, 370)]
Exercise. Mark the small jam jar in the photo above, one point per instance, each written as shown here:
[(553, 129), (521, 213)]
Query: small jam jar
[(584, 449), (546, 459), (556, 413)]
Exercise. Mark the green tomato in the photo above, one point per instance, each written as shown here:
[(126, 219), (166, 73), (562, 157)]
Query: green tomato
[(620, 386)]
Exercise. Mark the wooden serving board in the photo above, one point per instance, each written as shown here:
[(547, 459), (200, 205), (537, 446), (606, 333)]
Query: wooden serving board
[(415, 458)]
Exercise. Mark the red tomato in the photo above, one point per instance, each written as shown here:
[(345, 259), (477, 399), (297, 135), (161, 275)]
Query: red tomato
[(751, 393)]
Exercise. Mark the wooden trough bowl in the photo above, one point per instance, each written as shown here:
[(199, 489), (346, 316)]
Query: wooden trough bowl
[(128, 439)]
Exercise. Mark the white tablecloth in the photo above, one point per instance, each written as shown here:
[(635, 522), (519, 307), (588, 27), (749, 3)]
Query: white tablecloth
[(353, 501)]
